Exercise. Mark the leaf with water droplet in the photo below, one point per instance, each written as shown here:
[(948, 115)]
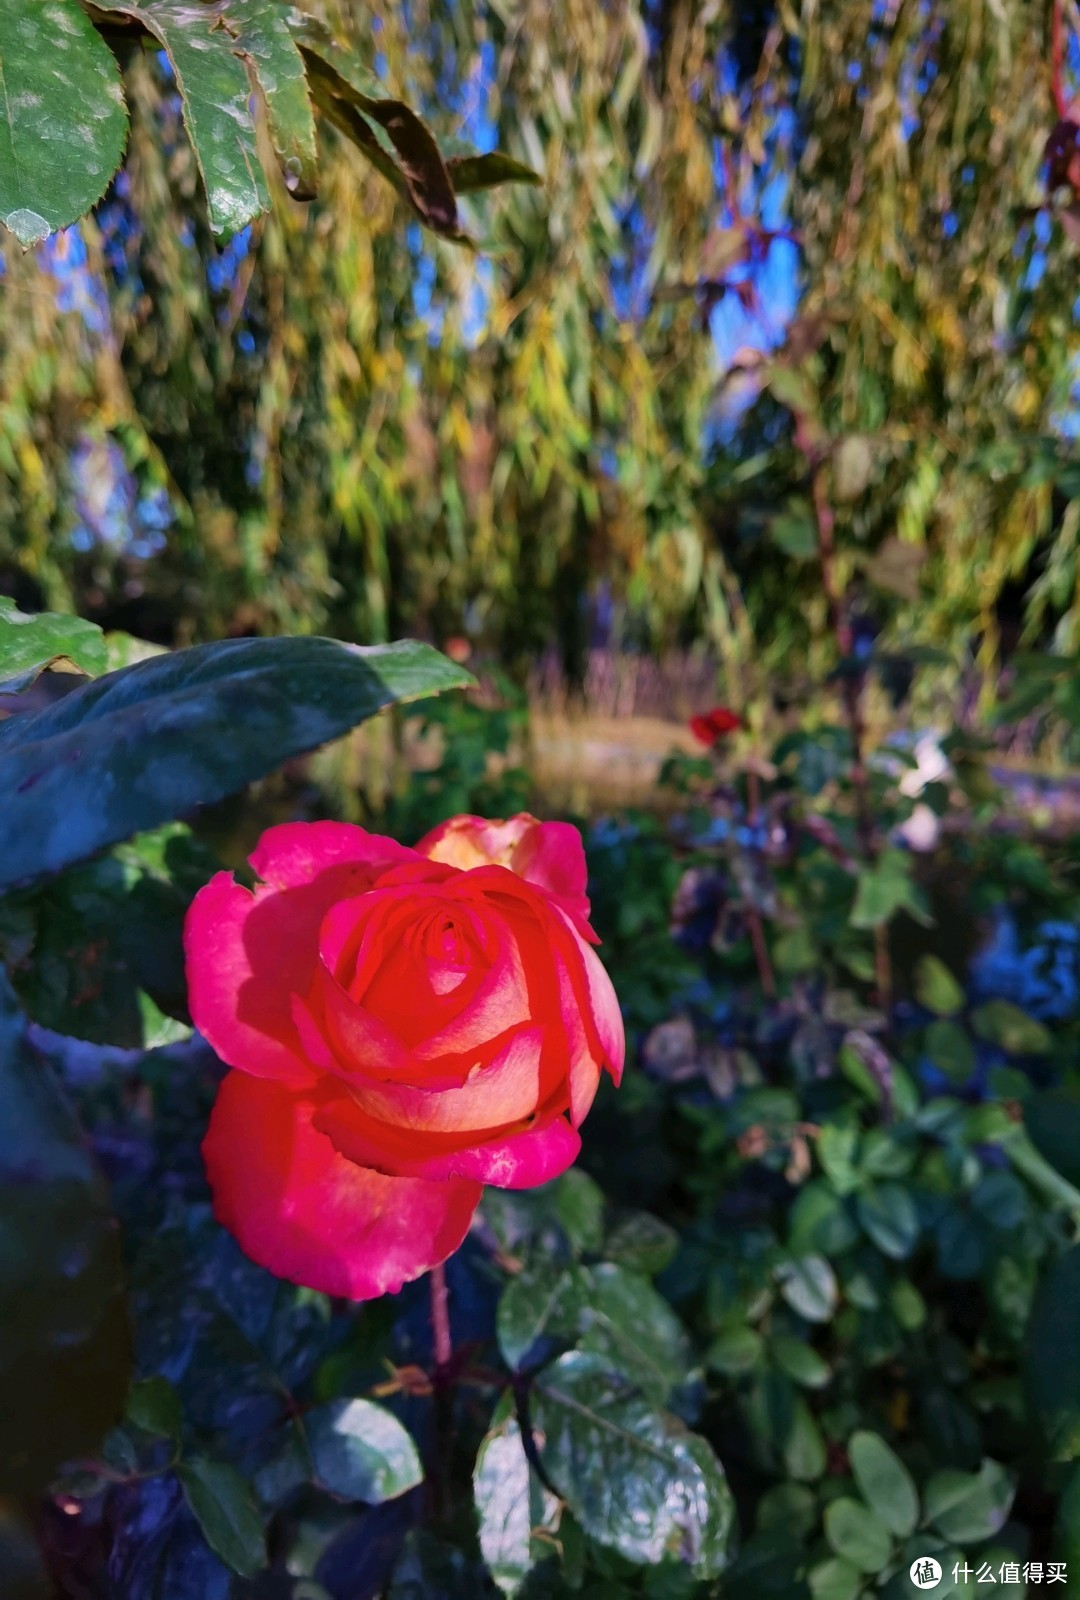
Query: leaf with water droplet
[(633, 1476), (216, 94)]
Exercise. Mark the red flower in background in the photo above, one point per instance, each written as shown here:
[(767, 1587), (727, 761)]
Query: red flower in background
[(712, 725)]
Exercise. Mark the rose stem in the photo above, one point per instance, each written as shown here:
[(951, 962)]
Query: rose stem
[(440, 1321), (444, 1353)]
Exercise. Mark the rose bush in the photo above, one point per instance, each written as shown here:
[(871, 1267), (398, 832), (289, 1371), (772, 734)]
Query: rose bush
[(404, 1025)]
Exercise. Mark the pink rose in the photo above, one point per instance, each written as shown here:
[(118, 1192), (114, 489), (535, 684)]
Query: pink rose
[(406, 1026)]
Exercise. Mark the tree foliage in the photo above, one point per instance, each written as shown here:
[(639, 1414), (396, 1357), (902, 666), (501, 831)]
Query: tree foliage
[(338, 418)]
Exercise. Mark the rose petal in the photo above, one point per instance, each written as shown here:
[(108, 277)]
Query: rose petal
[(293, 853), (503, 1089), (239, 1003), (249, 953), (517, 1160), (307, 1213), (466, 842), (548, 854), (360, 1043), (605, 1013)]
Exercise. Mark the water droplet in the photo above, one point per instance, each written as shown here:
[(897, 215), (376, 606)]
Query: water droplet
[(27, 226)]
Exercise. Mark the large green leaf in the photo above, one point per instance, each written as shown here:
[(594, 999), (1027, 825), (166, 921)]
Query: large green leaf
[(225, 1509), (63, 1333), (31, 642), (512, 1504), (216, 92), (361, 1451), (141, 746), (632, 1475), (64, 122)]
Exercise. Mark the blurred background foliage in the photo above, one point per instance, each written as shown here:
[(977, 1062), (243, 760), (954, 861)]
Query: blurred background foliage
[(784, 258)]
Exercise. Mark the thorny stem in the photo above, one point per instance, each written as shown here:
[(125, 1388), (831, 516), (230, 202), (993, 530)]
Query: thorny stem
[(442, 1377), (440, 1322)]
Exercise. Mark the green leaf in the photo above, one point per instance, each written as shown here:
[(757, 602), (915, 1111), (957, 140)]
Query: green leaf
[(835, 1579), (361, 1451), (511, 1504), (642, 1242), (837, 1149), (633, 1476), (790, 1507), (803, 1452), (266, 40), (138, 747), (888, 1216), (809, 1287), (604, 1309), (1052, 1356), (820, 1221), (884, 1483), (1004, 1024), (64, 1358), (800, 1361), (936, 988), (857, 1535), (468, 173), (794, 530), (737, 1350), (224, 1508), (907, 1305), (886, 888), (967, 1507), (215, 93), (30, 643), (64, 123), (543, 1301), (950, 1049), (154, 1405), (579, 1206), (106, 935), (1002, 1201), (625, 1320)]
